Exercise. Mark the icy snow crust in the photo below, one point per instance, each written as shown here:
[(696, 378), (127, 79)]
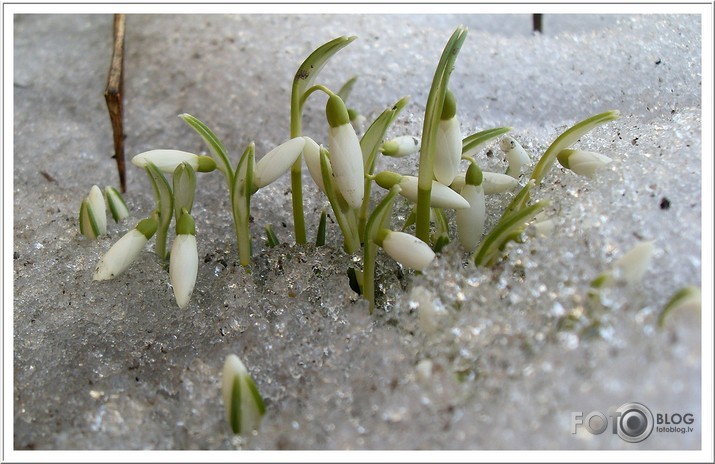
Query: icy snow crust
[(456, 358)]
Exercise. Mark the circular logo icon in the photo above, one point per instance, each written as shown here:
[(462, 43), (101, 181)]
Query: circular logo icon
[(635, 422)]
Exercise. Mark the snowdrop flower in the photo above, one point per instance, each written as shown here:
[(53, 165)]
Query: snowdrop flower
[(470, 221), (448, 143), (93, 214), (168, 160), (493, 183), (584, 163), (311, 153), (125, 250), (277, 161), (184, 260), (241, 400), (406, 249), (116, 203), (402, 146), (631, 267), (441, 196), (516, 156), (345, 153)]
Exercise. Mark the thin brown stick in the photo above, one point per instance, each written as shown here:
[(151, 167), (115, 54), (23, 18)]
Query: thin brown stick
[(537, 23), (113, 95)]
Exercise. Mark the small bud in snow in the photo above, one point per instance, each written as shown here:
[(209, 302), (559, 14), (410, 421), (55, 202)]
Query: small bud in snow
[(516, 156), (470, 221), (93, 214), (631, 267), (277, 161), (492, 182), (125, 250), (241, 400), (184, 260), (406, 249), (584, 163), (116, 204)]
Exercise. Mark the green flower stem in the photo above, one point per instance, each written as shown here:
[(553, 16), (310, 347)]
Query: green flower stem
[(379, 219), (241, 191), (507, 230), (370, 146), (433, 112), (351, 241), (304, 78), (164, 206)]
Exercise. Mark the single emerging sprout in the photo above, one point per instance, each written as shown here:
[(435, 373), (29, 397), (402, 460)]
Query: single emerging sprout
[(241, 400), (125, 250), (516, 156), (168, 160), (116, 204), (584, 163), (406, 249), (184, 261), (345, 153), (687, 297), (93, 214)]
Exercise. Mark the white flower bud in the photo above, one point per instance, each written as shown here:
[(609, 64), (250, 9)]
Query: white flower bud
[(241, 400), (125, 250), (440, 197), (406, 249), (311, 154), (493, 183), (168, 160), (516, 156), (448, 150), (98, 209), (345, 153), (584, 163), (277, 161), (116, 204), (470, 221), (183, 268), (402, 146), (631, 267)]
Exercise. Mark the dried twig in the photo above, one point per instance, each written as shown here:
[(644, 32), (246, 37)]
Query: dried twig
[(113, 95)]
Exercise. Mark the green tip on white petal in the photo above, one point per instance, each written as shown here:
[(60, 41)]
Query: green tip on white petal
[(686, 298), (474, 175), (120, 255), (386, 179), (336, 112), (584, 163), (449, 109), (243, 404), (185, 225), (205, 164), (147, 227), (399, 147), (116, 204)]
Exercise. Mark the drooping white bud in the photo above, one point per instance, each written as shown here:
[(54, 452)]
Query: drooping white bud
[(311, 154), (441, 195), (493, 183), (184, 260), (406, 249), (516, 156), (125, 250), (402, 146), (448, 143), (277, 161), (584, 163), (168, 160), (470, 221), (242, 402), (345, 153)]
